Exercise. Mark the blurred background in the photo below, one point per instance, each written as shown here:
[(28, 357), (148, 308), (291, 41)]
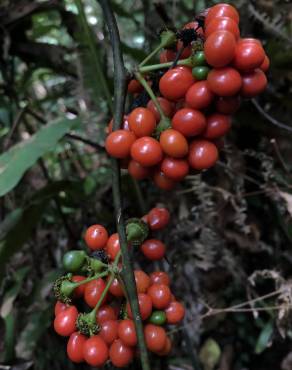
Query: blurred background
[(230, 238)]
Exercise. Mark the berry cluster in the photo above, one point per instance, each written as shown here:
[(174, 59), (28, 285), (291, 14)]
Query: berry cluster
[(182, 126), (107, 332)]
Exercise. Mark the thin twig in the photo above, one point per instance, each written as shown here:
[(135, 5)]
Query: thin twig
[(119, 103), (279, 156), (270, 118), (15, 124), (85, 141)]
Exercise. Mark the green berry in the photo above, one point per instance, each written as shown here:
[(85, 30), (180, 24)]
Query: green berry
[(200, 72), (73, 260), (199, 58), (158, 318)]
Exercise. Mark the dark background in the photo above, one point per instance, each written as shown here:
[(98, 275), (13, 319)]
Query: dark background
[(229, 240)]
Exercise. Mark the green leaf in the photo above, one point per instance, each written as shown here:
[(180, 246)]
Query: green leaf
[(17, 160), (8, 315), (19, 225), (210, 354), (94, 76), (264, 337)]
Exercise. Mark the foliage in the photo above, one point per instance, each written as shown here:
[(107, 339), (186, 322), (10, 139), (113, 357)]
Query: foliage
[(230, 241)]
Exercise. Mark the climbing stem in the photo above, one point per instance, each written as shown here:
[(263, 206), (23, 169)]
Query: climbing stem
[(119, 103), (150, 92)]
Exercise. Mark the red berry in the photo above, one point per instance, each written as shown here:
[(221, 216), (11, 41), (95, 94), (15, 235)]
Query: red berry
[(113, 246), (137, 171), (146, 151), (175, 312), (65, 321), (248, 56), (222, 10), (142, 122), (134, 87), (158, 218), (203, 154), (189, 122), (109, 331), (166, 106), (253, 83), (224, 81), (118, 143), (127, 332), (95, 351), (75, 347), (153, 249), (155, 337), (159, 277), (93, 292), (160, 295), (173, 143), (120, 354), (105, 313), (228, 105), (96, 237), (222, 24), (217, 125), (145, 306), (175, 82), (199, 95), (220, 48), (175, 169), (162, 181)]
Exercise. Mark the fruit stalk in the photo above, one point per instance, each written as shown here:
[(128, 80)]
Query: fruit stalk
[(119, 103)]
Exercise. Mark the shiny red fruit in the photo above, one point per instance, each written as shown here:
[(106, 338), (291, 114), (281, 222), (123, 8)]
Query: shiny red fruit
[(173, 143), (248, 56), (199, 95), (109, 331), (127, 332), (165, 105), (203, 154), (142, 281), (160, 295), (120, 354), (167, 348), (155, 337), (113, 246), (146, 151), (153, 249), (145, 306), (137, 171), (96, 237), (189, 122), (175, 82), (118, 143), (217, 125), (222, 10), (142, 122), (175, 312), (162, 181), (105, 313), (60, 307), (253, 83), (159, 277), (134, 87), (222, 24), (79, 291), (93, 292), (116, 288), (95, 351), (158, 218), (224, 81), (65, 321), (75, 347), (175, 169), (266, 64), (220, 48)]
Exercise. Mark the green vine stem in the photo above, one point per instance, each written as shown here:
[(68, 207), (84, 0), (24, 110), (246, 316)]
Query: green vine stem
[(119, 103), (150, 92), (167, 38), (153, 67)]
